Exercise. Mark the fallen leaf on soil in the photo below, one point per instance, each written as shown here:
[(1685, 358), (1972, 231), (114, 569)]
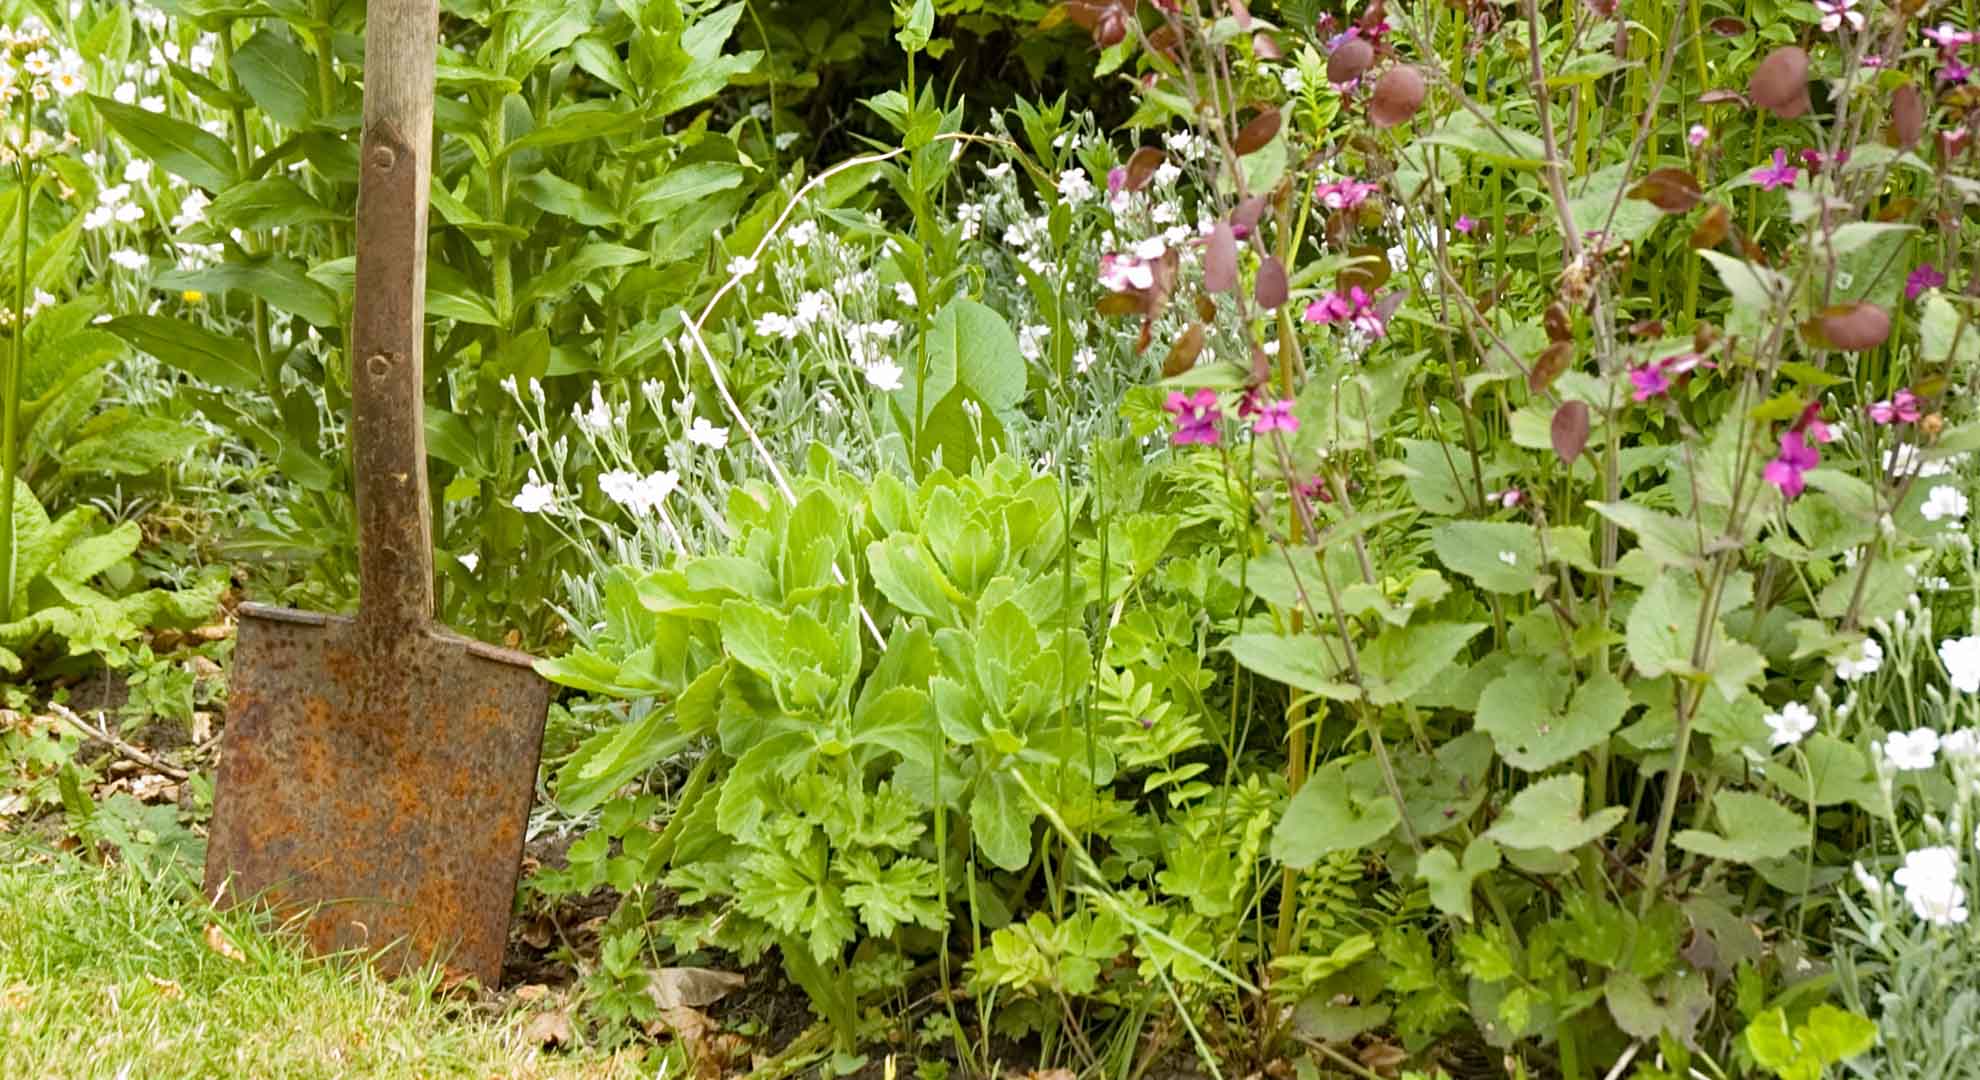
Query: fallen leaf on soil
[(215, 632), (202, 726), (1050, 1074), (695, 988), (12, 804), (167, 989), (532, 992), (1382, 1057), (216, 939), (15, 998), (551, 1028), (688, 1025)]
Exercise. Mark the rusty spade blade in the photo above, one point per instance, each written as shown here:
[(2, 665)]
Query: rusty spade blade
[(376, 772)]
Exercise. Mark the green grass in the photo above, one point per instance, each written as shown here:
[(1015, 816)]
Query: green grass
[(103, 974)]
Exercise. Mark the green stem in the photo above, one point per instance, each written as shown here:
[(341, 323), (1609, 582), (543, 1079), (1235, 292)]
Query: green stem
[(271, 378), (10, 407)]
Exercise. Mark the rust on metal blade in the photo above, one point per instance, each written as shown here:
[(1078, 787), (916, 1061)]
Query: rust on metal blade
[(377, 786)]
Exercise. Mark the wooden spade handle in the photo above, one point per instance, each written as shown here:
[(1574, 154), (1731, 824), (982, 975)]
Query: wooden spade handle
[(388, 429)]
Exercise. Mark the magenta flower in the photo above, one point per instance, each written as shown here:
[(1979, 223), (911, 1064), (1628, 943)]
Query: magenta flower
[(1902, 407), (1355, 307), (1796, 458), (1197, 417), (1124, 273), (1698, 134), (1782, 174), (1275, 416), (1331, 308), (1509, 498), (1116, 180), (1343, 194), (1946, 37), (1650, 381), (1955, 71), (1837, 12), (1811, 423), (1465, 224), (1926, 276)]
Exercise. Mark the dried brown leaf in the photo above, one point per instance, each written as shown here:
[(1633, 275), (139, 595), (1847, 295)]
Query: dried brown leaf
[(217, 940), (691, 986), (1712, 227), (1855, 327), (1553, 360), (1907, 117), (1569, 430), (1182, 355), (1672, 190), (552, 1028)]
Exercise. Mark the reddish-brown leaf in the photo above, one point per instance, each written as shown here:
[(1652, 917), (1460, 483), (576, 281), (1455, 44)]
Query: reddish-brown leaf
[(1141, 167), (1780, 83), (1182, 355), (1648, 328), (1398, 94), (1248, 212), (1722, 97), (1350, 60), (1257, 134), (1672, 190), (1206, 308), (1116, 305), (1855, 327), (1570, 430), (1265, 47), (1553, 360), (1370, 269), (1727, 26), (1164, 39), (1907, 117), (1220, 259), (1712, 227), (1270, 290), (1559, 324)]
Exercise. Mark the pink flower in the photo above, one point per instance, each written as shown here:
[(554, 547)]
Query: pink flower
[(1815, 159), (1508, 498), (1650, 381), (1796, 458), (1811, 423), (1116, 180), (1955, 71), (1330, 308), (1343, 194), (1698, 134), (1197, 417), (1781, 175), (1355, 307), (1122, 273), (1946, 37), (1275, 416), (1926, 276), (1900, 408), (1837, 12), (1465, 224)]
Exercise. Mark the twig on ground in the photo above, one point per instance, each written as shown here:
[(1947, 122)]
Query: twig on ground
[(104, 736)]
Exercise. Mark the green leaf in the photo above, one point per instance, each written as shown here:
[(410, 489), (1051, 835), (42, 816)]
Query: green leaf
[(571, 272), (910, 580), (1671, 542), (1547, 816), (756, 637), (1000, 818), (1756, 291), (1300, 661), (268, 203), (1498, 143), (177, 147), (1948, 338), (1754, 828), (1450, 881), (1834, 1036), (1841, 773), (1539, 716), (92, 555), (616, 756), (682, 186), (278, 280), (1663, 626), (1501, 556), (578, 122), (275, 71), (133, 448), (195, 350), (1406, 659), (1330, 814), (552, 193)]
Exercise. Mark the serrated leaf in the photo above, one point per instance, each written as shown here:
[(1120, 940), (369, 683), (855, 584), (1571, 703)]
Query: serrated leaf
[(1450, 881), (1752, 827), (1540, 716), (1547, 816), (1330, 813)]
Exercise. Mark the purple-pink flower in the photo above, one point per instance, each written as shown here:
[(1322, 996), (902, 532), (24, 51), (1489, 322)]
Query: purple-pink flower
[(1465, 224), (1955, 71), (1196, 415), (1900, 408), (1653, 378), (1837, 12), (1698, 134), (1926, 276), (1274, 416), (1343, 194), (1945, 36), (1786, 471), (1783, 174), (1122, 273), (1355, 307)]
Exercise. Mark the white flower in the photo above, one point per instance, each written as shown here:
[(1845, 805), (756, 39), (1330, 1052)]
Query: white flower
[(970, 217), (192, 211), (1930, 880), (1964, 743), (126, 93), (772, 324), (69, 83), (1962, 659), (1791, 724), (201, 57), (1837, 12), (885, 375), (1864, 878), (129, 213), (653, 490), (152, 104), (130, 260), (1084, 359), (1864, 660), (536, 496), (1075, 186), (741, 265), (803, 233), (470, 560), (620, 486), (1509, 558), (137, 171), (98, 218), (997, 171), (703, 433), (598, 419), (784, 140), (811, 307), (904, 293), (1911, 750), (1031, 340), (1944, 501)]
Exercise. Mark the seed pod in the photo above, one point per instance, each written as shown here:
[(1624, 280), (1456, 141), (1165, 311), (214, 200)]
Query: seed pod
[(1560, 326), (1257, 134), (1907, 117), (1570, 430), (1855, 327), (1552, 361), (1141, 167), (1271, 289), (1780, 83), (1182, 355), (1671, 190), (1350, 60), (1220, 259), (1398, 94), (1712, 227)]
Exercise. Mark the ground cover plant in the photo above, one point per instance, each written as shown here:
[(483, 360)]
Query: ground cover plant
[(1366, 540)]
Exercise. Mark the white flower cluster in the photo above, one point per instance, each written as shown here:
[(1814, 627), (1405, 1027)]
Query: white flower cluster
[(1930, 879)]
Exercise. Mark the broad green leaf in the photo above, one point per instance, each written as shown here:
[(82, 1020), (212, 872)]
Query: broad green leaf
[(1501, 556), (1756, 291), (552, 193), (1663, 626), (268, 203), (1331, 814), (758, 638), (616, 756), (908, 577), (1540, 716), (1841, 773), (133, 448), (1671, 542), (278, 280), (572, 272), (1498, 143), (177, 147), (275, 71), (94, 554), (682, 186), (1299, 661), (195, 350), (1000, 818), (1450, 881), (1949, 338), (1405, 659), (1547, 815), (1753, 828), (578, 122)]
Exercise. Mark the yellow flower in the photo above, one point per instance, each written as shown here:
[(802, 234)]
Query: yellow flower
[(192, 296)]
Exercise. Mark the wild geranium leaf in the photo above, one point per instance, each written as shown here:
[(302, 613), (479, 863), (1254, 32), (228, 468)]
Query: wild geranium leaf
[(1405, 659), (1752, 828), (1671, 542), (1450, 880), (1663, 627), (1948, 338), (1329, 813), (1540, 715), (902, 893), (1755, 290), (1501, 556), (1300, 661), (1841, 773), (1547, 815)]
